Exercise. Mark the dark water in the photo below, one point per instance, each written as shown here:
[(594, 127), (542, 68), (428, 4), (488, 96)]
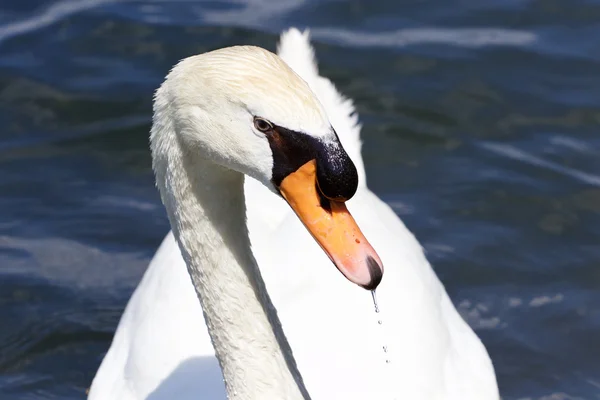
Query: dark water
[(481, 123)]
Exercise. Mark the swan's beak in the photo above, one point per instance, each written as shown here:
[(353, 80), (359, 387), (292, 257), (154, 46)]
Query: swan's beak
[(333, 227)]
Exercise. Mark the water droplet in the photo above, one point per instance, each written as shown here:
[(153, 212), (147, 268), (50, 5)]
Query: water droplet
[(385, 349), (380, 322), (388, 362), (375, 301)]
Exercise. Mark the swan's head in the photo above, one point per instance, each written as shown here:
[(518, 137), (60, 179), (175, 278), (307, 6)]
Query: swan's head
[(243, 108)]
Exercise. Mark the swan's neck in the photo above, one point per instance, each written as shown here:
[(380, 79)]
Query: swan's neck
[(205, 204)]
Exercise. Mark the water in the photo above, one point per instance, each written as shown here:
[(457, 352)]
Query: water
[(379, 322), (375, 305), (388, 377), (480, 129)]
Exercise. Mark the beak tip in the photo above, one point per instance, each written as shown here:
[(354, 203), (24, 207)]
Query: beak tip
[(375, 272)]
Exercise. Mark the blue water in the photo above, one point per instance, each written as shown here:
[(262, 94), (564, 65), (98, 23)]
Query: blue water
[(481, 129)]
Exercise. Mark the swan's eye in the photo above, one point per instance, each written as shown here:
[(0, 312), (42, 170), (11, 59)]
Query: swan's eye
[(262, 124)]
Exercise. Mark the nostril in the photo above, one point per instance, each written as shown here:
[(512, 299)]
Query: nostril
[(324, 201)]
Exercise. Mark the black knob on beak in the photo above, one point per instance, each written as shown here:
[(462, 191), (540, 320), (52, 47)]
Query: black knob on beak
[(336, 174)]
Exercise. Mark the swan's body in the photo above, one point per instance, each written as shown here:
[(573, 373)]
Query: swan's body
[(162, 349)]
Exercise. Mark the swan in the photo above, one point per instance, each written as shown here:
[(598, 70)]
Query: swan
[(162, 348)]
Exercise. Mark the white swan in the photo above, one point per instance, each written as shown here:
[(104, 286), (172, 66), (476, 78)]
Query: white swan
[(162, 350)]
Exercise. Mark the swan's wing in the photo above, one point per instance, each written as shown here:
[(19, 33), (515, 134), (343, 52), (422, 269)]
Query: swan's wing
[(295, 49), (333, 329)]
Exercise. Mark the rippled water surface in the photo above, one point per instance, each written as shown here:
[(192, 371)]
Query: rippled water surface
[(481, 130)]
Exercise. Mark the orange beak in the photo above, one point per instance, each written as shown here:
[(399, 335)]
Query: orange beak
[(333, 227)]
